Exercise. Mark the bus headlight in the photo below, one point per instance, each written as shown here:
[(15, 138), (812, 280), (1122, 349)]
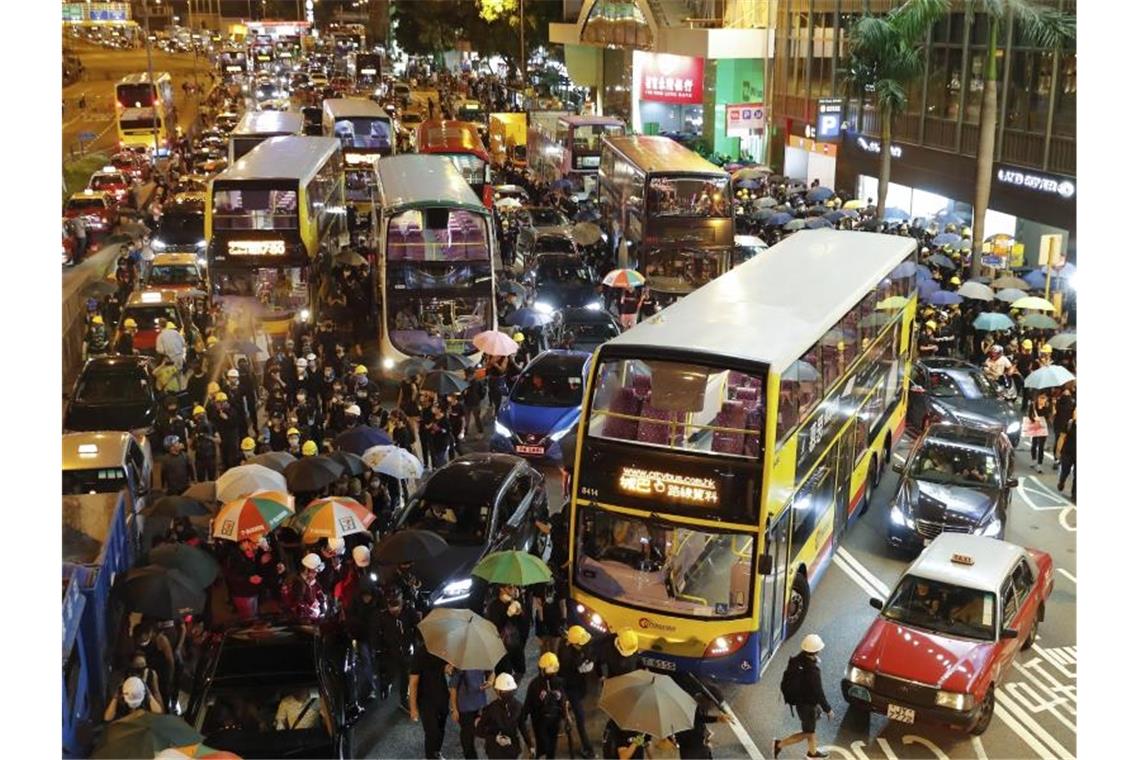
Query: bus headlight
[(388, 363), (954, 700), (503, 430), (862, 677), (591, 618), (201, 244)]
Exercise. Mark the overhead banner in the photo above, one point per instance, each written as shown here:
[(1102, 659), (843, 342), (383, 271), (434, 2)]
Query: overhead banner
[(741, 119), (677, 79)]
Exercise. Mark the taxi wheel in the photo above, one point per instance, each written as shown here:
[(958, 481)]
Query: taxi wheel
[(1032, 637), (986, 714), (798, 604)]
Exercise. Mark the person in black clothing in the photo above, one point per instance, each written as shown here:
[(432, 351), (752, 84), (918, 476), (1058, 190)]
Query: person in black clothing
[(397, 627), (362, 620), (619, 654), (809, 697), (1068, 447), (509, 615), (619, 744), (500, 723), (575, 667), (473, 396), (125, 343), (1062, 412), (546, 706), (175, 466), (696, 742), (429, 698), (197, 381)]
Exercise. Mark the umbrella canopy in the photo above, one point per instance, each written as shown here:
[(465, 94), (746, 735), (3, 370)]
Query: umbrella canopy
[(1009, 281), (1001, 238), (1065, 341), (795, 224), (495, 343), (650, 703), (510, 286), (143, 735), (351, 463), (309, 474), (274, 460), (253, 515), (1035, 279), (763, 214), (1049, 377), (1032, 303), (1009, 295), (821, 193), (976, 291), (836, 216), (195, 752), (941, 260), (204, 491), (371, 458), (415, 365), (349, 259), (401, 464), (461, 637), (855, 203), (801, 371), (243, 480), (878, 319), (1040, 322), (198, 565), (897, 214), (334, 517), (991, 321), (513, 567), (361, 438), (408, 546), (892, 303), (818, 223), (586, 233), (926, 288), (747, 184), (176, 506), (946, 238), (161, 592), (922, 272), (766, 201), (944, 298), (451, 362), (443, 383), (623, 278), (778, 220), (100, 288), (528, 317), (751, 172)]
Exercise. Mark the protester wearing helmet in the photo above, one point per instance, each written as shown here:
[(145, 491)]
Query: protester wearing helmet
[(576, 667), (501, 724), (309, 449), (306, 599), (621, 657), (802, 687), (397, 625), (205, 441), (96, 342), (546, 705), (997, 366), (132, 697), (125, 343)]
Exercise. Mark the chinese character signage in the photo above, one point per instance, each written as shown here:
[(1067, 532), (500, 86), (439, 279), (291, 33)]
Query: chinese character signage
[(1042, 183), (667, 486), (677, 79), (743, 118)]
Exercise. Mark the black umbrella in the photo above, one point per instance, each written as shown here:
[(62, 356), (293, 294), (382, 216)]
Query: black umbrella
[(274, 460), (161, 592), (351, 462), (414, 366), (451, 362), (175, 506), (361, 438), (100, 288), (408, 546), (307, 475), (334, 466), (940, 260), (198, 565), (443, 383)]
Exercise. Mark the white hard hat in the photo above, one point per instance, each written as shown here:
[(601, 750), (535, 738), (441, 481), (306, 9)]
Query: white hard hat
[(361, 556), (352, 409), (312, 562), (302, 363), (310, 358), (134, 691), (505, 682), (232, 373), (336, 545), (812, 643)]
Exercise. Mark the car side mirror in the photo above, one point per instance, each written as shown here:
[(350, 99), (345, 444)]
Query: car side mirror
[(876, 602), (766, 564), (1013, 483), (897, 467), (1009, 633)]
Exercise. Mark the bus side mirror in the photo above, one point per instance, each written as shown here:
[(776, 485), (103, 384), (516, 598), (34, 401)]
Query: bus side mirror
[(765, 565)]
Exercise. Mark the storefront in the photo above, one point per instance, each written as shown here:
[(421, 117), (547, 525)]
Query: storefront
[(669, 95), (810, 160)]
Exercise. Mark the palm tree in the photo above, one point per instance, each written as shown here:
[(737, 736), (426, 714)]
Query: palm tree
[(885, 56), (1041, 25)]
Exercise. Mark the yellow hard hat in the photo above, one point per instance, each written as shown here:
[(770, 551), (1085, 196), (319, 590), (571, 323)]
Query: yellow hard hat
[(211, 340), (309, 448), (1046, 349), (97, 320), (221, 396), (548, 663), (955, 280), (170, 325), (840, 346), (128, 322), (626, 642), (932, 324), (578, 636), (1027, 343), (198, 409), (965, 232), (519, 337), (292, 431), (1014, 312), (360, 370), (248, 444), (212, 388)]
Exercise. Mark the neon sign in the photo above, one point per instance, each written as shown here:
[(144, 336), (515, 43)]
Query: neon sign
[(657, 484)]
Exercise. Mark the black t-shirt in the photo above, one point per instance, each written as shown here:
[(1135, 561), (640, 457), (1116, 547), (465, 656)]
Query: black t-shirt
[(433, 684)]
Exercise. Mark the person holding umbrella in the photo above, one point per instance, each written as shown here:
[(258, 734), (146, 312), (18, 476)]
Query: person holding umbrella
[(629, 306), (507, 613), (502, 723)]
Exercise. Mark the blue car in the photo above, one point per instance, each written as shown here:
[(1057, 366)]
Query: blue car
[(542, 407)]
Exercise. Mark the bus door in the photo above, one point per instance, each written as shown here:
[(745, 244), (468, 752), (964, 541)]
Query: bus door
[(774, 583), (844, 452)]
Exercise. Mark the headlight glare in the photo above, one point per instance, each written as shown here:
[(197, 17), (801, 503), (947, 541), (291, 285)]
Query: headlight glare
[(859, 676)]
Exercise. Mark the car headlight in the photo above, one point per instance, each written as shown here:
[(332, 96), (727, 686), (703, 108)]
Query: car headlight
[(542, 307), (157, 244), (594, 306), (899, 517), (1013, 427), (305, 314), (503, 430), (456, 589), (954, 700), (201, 243), (860, 676), (991, 529), (559, 435)]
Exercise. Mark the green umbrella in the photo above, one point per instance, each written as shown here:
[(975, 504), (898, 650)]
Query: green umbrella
[(143, 735), (514, 568), (1065, 341), (1040, 322), (198, 565)]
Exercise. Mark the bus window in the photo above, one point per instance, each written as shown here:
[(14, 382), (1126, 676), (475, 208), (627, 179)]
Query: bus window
[(801, 388), (701, 197), (268, 209), (363, 132), (810, 504)]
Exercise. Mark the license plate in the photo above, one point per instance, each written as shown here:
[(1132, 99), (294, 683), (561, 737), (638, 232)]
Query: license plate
[(658, 664), (901, 714), (532, 450)]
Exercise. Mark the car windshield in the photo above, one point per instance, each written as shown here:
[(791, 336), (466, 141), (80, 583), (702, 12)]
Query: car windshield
[(561, 269), (363, 132), (95, 480), (660, 566), (554, 244), (954, 463), (108, 182), (547, 217), (293, 706), (113, 387), (173, 274), (962, 383), (458, 522), (86, 204), (181, 229), (549, 384), (599, 331), (943, 608)]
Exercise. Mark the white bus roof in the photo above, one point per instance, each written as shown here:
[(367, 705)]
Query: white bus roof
[(347, 108), (144, 78), (775, 306), (424, 180), (960, 559), (292, 157), (269, 123), (653, 153)]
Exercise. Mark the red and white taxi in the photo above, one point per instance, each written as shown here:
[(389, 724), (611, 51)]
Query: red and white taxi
[(949, 632), (114, 182), (98, 210)]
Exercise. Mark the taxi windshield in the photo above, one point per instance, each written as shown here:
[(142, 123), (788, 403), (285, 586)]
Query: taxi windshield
[(952, 464), (943, 608), (94, 480)]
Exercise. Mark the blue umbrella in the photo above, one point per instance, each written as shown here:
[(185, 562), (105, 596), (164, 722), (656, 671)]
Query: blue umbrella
[(927, 288), (778, 219), (948, 217), (835, 216), (1035, 279), (749, 184), (990, 321), (818, 222), (359, 439), (820, 193), (944, 298), (1049, 377), (905, 269), (941, 261), (897, 214), (561, 184), (528, 317), (923, 272), (946, 238)]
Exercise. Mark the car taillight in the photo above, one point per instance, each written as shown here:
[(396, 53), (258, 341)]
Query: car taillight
[(591, 618), (725, 645)]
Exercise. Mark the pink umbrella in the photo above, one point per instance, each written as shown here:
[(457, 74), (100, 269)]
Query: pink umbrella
[(495, 343)]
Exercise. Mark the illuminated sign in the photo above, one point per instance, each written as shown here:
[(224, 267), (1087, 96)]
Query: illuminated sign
[(358, 159), (671, 78), (828, 119), (368, 72), (657, 484), (743, 118), (1042, 183), (256, 247), (874, 146), (232, 68)]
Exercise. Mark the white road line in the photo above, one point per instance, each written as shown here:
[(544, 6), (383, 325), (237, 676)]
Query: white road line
[(883, 588), (1001, 713), (980, 751), (742, 735), (1054, 493), (1023, 493), (1067, 574), (1063, 518), (859, 580), (1033, 726)]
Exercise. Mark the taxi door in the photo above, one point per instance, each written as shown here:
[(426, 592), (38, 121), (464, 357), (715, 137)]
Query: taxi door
[(1017, 613)]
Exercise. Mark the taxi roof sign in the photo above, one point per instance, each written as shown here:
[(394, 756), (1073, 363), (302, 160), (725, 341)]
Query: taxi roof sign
[(961, 559), (88, 449)]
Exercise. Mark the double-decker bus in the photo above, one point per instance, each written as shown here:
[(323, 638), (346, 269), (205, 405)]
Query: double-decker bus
[(346, 38), (364, 130), (672, 207), (233, 63), (364, 69), (436, 278), (728, 442), (257, 126), (273, 221), (573, 149), (459, 141), (262, 52), (144, 112)]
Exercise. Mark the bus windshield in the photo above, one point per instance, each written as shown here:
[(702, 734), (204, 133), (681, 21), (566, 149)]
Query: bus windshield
[(135, 95), (363, 132), (657, 565), (694, 197), (686, 407), (255, 208)]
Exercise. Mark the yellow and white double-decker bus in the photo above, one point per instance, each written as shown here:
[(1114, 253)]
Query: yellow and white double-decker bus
[(144, 113), (728, 441)]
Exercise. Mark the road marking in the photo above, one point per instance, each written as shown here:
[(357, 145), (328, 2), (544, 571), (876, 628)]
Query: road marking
[(1063, 519), (742, 735), (1067, 574), (883, 588), (1001, 713), (1023, 492), (978, 749), (859, 580), (1014, 709)]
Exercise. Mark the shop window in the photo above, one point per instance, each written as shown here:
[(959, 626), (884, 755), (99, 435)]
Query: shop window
[(1065, 115)]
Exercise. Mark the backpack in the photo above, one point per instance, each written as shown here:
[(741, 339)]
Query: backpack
[(793, 684)]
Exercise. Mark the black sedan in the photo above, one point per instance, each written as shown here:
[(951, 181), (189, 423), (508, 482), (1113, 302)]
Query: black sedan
[(585, 329), (560, 280), (267, 690), (957, 479), (111, 393), (951, 390), (479, 503)]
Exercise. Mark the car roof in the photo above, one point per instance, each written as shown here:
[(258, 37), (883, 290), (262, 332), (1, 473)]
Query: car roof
[(961, 435), (151, 297), (248, 640), (946, 363), (478, 476), (84, 195), (109, 449), (562, 359), (992, 560)]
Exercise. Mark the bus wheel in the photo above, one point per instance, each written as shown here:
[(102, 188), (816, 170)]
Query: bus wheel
[(798, 603), (873, 472), (866, 503)]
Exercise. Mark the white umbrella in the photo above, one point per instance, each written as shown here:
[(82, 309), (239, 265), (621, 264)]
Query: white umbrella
[(976, 290), (375, 455), (243, 480), (401, 464), (1049, 377)]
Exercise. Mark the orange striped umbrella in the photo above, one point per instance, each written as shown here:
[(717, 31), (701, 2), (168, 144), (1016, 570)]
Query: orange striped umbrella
[(196, 751), (334, 517), (252, 516)]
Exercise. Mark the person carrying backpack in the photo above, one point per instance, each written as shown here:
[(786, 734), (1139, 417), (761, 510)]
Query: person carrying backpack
[(547, 707), (802, 689)]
